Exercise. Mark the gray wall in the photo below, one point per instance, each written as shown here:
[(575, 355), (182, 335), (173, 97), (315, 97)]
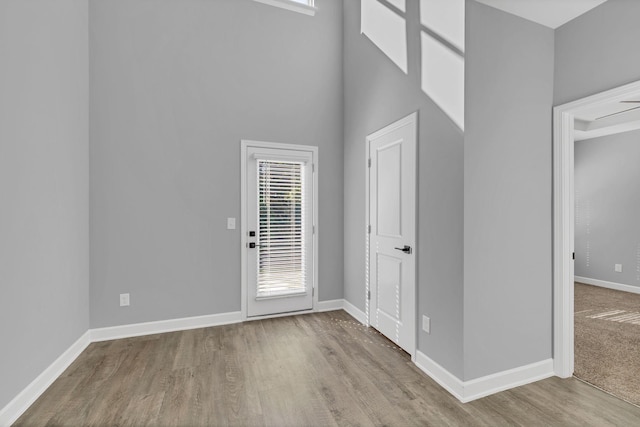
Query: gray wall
[(378, 93), (607, 188), (175, 86), (597, 51), (507, 192), (44, 159)]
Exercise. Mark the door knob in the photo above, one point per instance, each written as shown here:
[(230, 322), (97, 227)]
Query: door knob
[(406, 249), (253, 245)]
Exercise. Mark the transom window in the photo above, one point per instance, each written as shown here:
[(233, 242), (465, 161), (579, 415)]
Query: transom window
[(306, 7)]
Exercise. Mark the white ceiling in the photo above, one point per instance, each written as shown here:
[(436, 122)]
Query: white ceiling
[(550, 13)]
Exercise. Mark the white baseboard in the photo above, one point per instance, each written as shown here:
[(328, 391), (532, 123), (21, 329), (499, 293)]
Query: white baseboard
[(14, 409), (505, 380), (446, 379), (354, 311), (608, 285), (466, 391), (162, 326), (331, 305)]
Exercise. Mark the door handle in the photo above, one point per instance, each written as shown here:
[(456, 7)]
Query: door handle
[(253, 245), (406, 249)]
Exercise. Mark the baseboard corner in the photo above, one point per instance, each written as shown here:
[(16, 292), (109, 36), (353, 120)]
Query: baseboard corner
[(446, 379), (14, 409), (355, 312), (467, 391)]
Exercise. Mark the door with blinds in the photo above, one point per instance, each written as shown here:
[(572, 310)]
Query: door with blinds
[(279, 230)]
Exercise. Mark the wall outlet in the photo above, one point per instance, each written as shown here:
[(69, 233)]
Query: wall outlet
[(124, 300), (231, 223), (426, 324), (618, 268)]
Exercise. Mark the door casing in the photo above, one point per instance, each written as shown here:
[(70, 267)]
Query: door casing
[(410, 119), (244, 227), (564, 220)]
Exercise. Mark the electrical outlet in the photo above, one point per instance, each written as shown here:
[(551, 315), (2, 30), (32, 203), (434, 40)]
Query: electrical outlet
[(124, 300), (618, 268), (231, 223), (426, 324)]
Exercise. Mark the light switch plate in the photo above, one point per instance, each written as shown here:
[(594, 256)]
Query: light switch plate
[(618, 268), (124, 300), (426, 324), (231, 223)]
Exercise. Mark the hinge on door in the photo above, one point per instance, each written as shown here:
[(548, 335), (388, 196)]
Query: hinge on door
[(369, 229), (369, 162), (313, 229), (313, 167), (573, 256), (313, 292), (368, 295)]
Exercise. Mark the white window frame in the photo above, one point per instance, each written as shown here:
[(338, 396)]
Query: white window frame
[(307, 8), (244, 228)]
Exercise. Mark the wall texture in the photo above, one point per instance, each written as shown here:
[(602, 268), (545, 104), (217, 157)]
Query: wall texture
[(44, 159), (597, 51), (607, 180), (377, 93), (507, 192), (175, 86)]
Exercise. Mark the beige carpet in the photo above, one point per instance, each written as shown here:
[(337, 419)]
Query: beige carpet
[(607, 344)]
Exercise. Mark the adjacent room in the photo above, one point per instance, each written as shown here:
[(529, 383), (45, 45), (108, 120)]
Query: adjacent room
[(607, 244), (313, 212)]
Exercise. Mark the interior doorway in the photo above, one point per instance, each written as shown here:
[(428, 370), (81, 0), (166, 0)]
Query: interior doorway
[(597, 116), (391, 219)]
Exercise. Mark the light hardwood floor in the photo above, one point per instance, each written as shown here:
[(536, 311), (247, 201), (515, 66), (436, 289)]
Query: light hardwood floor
[(310, 370)]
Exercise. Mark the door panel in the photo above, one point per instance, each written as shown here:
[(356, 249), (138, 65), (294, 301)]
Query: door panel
[(392, 193), (389, 187), (389, 291)]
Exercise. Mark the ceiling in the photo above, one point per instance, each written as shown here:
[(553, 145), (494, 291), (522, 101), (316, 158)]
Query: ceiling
[(550, 13)]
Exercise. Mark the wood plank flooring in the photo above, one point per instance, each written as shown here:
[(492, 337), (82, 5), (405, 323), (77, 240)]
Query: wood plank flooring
[(310, 370)]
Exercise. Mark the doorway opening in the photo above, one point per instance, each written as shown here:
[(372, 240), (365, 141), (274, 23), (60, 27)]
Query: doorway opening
[(601, 116)]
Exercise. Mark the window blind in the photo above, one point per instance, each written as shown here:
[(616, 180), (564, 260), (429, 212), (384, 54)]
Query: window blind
[(281, 216)]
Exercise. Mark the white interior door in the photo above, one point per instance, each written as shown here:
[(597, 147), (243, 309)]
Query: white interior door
[(279, 226), (392, 218)]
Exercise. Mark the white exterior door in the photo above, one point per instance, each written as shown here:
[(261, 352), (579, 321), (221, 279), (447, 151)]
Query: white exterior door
[(279, 227), (392, 218)]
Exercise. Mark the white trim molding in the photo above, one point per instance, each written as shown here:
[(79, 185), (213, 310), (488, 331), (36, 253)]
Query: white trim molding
[(356, 313), (294, 6), (14, 409), (608, 285), (331, 305), (466, 391), (163, 326), (563, 219), (446, 379)]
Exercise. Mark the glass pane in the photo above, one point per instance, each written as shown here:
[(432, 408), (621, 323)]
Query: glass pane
[(281, 215)]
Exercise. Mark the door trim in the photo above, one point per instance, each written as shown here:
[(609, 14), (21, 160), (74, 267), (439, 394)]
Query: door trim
[(411, 119), (564, 220), (244, 229)]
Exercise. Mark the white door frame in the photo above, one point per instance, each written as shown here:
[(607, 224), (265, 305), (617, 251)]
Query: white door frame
[(244, 228), (564, 219), (410, 119)]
